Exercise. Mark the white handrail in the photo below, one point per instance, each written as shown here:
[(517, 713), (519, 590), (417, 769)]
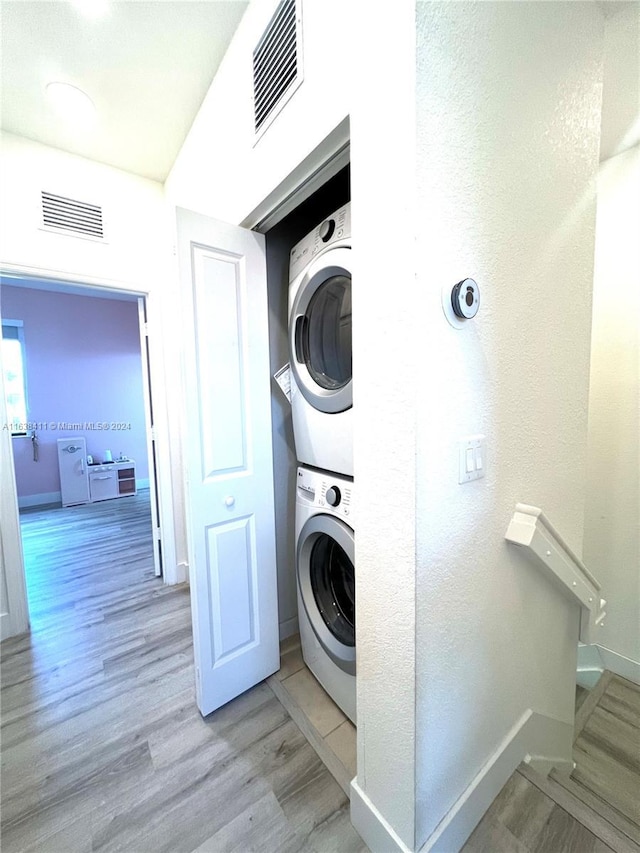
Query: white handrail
[(530, 528)]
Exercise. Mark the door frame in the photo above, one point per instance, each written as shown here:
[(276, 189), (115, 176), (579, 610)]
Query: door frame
[(325, 161), (154, 381)]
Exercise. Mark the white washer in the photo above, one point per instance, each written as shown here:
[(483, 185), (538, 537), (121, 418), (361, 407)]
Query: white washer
[(320, 345), (325, 562)]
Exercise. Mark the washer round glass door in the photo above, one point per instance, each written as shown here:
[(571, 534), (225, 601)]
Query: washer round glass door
[(325, 566), (320, 330)]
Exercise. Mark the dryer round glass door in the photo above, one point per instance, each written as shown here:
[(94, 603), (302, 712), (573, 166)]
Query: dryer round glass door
[(320, 328), (328, 344), (325, 565)]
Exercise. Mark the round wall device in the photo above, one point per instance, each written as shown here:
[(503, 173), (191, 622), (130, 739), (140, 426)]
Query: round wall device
[(465, 299)]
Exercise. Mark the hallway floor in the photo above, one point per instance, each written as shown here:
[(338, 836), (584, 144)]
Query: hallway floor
[(103, 748)]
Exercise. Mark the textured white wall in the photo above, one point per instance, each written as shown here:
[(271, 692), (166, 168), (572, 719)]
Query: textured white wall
[(220, 172), (508, 99), (612, 515), (620, 98), (387, 377)]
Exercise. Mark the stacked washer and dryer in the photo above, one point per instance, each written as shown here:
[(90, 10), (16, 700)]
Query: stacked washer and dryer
[(321, 403)]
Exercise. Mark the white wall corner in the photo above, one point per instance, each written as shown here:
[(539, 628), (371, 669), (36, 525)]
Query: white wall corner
[(590, 665), (371, 825), (613, 661), (383, 179), (550, 743), (178, 575), (288, 628), (540, 740)]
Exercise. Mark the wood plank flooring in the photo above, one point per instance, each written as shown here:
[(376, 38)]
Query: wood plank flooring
[(607, 757), (596, 808), (103, 748)]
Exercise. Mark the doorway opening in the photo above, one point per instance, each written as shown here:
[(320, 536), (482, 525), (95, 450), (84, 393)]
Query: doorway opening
[(280, 239), (87, 382), (308, 700)]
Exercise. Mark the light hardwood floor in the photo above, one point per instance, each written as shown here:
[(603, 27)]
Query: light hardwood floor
[(596, 808), (103, 748)]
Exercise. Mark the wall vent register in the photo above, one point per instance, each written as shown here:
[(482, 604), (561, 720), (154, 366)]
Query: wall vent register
[(277, 65), (70, 216)]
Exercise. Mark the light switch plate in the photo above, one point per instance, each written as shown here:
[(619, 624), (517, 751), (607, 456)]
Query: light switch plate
[(472, 455)]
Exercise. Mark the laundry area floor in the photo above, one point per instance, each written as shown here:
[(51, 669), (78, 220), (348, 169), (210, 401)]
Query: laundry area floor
[(103, 746), (331, 733)]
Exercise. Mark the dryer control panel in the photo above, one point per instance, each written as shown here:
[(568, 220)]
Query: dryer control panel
[(332, 229), (328, 491)]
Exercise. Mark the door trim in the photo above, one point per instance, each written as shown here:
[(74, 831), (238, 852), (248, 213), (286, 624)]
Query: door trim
[(325, 161)]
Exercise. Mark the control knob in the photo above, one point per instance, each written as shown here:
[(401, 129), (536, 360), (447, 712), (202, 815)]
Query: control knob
[(333, 496), (326, 229)]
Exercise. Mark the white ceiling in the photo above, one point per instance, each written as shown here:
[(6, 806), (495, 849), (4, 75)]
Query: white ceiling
[(146, 64)]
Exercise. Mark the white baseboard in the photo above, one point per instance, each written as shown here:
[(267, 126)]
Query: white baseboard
[(182, 573), (372, 826), (43, 499), (535, 738), (288, 628), (544, 765), (614, 662), (48, 498), (541, 741)]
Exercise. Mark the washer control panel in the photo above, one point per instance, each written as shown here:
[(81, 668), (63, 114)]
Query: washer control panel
[(333, 228), (328, 491)]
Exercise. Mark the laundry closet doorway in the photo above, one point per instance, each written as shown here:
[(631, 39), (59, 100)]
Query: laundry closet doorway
[(280, 239), (235, 579)]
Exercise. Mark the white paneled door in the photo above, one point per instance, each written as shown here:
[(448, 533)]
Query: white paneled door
[(228, 458)]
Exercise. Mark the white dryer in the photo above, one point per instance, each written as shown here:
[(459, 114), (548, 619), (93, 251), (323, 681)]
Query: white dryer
[(325, 570), (320, 345)]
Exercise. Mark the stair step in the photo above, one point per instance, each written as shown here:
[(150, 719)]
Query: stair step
[(589, 703), (605, 822)]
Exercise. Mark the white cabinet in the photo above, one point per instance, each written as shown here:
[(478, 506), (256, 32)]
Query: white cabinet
[(112, 480)]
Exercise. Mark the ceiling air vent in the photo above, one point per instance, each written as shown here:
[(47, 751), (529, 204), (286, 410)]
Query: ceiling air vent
[(71, 216), (277, 65)]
